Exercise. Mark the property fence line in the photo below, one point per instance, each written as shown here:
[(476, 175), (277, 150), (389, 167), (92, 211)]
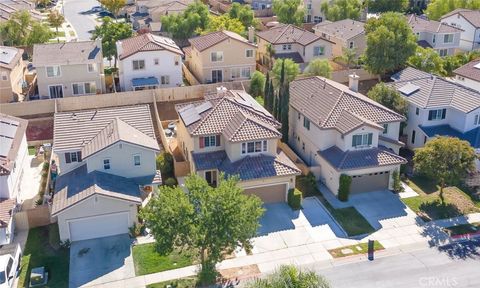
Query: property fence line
[(31, 218), (192, 80)]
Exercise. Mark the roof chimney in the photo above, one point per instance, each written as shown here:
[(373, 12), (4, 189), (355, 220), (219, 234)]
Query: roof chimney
[(353, 80), (251, 34), (221, 91)]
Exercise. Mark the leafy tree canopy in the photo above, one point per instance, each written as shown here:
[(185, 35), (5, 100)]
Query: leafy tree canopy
[(380, 6), (319, 67), (293, 276), (22, 30), (189, 23), (257, 84), (388, 97), (437, 8), (244, 13), (291, 71), (110, 32), (113, 6), (336, 10), (289, 11), (428, 60), (224, 22)]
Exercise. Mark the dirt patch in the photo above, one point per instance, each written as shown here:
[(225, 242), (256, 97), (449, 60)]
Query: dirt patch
[(166, 110), (240, 272), (40, 129)]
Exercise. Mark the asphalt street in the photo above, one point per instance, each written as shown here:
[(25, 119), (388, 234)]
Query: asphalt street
[(77, 12)]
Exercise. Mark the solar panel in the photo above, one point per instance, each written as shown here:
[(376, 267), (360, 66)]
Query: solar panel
[(8, 127), (408, 89), (189, 115), (203, 107), (5, 145)]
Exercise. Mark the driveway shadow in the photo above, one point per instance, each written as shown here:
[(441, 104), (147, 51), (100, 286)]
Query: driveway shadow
[(277, 217), (100, 260)]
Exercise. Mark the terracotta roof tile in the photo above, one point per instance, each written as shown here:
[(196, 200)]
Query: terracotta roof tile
[(343, 29), (421, 24), (288, 33), (147, 42), (208, 40), (472, 16), (469, 70)]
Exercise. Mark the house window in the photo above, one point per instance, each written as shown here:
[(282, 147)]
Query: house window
[(4, 76), (78, 89), (476, 120), (417, 111), (448, 38), (84, 88), (413, 137), (53, 71), (350, 45), (434, 38), (155, 61), (254, 147), (246, 72), (91, 67), (138, 64), (303, 146), (106, 164), (216, 56), (443, 52), (235, 73), (299, 115), (437, 114), (177, 60), (287, 46), (318, 50), (209, 141), (73, 157), (306, 123), (317, 19), (165, 80), (249, 53), (425, 140), (385, 128), (136, 160), (362, 140)]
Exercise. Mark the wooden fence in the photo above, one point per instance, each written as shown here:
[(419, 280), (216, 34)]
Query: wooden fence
[(294, 157), (31, 218), (191, 79)]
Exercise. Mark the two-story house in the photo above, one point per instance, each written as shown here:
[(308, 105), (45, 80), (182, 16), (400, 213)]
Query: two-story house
[(337, 130), (69, 69), (229, 132), (469, 75), (13, 157), (438, 107), (313, 11), (106, 162), (346, 34), (148, 13), (12, 71), (442, 37), (149, 61), (221, 56), (290, 41), (469, 22)]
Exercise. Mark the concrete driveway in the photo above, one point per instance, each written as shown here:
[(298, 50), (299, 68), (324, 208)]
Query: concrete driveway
[(101, 260)]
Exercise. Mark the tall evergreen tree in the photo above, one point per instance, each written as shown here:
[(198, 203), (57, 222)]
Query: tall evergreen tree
[(271, 96), (266, 94), (284, 111)]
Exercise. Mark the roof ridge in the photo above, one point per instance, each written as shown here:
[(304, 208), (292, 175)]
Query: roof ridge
[(342, 94), (214, 108)]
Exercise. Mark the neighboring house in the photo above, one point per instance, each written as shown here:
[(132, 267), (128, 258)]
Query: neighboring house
[(313, 11), (106, 160), (292, 42), (13, 156), (442, 37), (221, 56), (149, 61), (69, 69), (469, 22), (261, 4), (337, 130), (438, 107), (469, 75), (229, 132), (8, 7), (151, 11), (12, 71), (345, 34)]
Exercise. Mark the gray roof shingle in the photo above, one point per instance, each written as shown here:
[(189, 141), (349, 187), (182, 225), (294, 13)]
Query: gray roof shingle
[(421, 24), (208, 40), (472, 136), (67, 53), (289, 34), (469, 70), (343, 29), (472, 16)]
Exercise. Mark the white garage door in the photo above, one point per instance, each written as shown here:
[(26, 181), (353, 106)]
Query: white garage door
[(98, 226)]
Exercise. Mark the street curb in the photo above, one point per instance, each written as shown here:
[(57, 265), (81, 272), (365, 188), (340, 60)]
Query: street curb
[(330, 215)]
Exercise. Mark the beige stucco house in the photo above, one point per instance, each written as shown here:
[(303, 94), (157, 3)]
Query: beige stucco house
[(345, 34), (106, 162), (12, 71), (289, 41), (220, 56), (230, 132), (69, 69), (337, 130)]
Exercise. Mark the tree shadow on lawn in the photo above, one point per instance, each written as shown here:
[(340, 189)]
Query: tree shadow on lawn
[(438, 210)]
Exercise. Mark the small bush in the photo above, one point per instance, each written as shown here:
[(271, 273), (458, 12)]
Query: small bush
[(170, 182), (344, 187), (165, 163), (257, 84), (295, 199), (397, 184), (136, 230)]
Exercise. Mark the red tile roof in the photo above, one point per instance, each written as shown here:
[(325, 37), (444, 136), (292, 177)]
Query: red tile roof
[(147, 42)]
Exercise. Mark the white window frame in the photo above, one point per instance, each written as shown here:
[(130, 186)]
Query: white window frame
[(235, 73), (54, 85), (165, 80), (79, 84), (364, 140), (258, 147), (212, 141), (287, 47), (139, 160), (476, 119), (385, 128), (249, 51), (321, 50), (448, 37), (217, 58), (105, 162), (443, 52), (92, 67), (138, 65), (156, 61), (244, 73), (55, 68)]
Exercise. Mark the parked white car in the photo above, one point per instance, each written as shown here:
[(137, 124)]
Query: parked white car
[(9, 264)]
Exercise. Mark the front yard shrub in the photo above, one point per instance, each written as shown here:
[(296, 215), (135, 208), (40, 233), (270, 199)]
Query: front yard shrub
[(397, 184), (170, 182), (165, 163), (295, 199), (344, 187), (136, 230)]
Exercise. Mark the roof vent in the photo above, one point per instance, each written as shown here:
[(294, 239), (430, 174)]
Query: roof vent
[(74, 116)]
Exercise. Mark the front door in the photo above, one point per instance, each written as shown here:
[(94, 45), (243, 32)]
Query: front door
[(211, 177), (56, 91), (217, 76)]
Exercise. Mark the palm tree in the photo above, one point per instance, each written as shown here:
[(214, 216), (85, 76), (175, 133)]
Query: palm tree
[(288, 276), (348, 57), (56, 20)]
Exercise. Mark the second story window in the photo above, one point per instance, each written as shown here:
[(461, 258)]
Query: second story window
[(138, 64), (106, 164), (476, 120), (287, 47), (209, 141), (350, 45), (448, 38), (91, 67), (434, 38), (216, 56), (437, 114), (155, 61), (53, 71), (362, 140), (4, 76), (306, 123), (385, 128), (136, 160), (73, 157), (417, 111), (249, 53), (318, 50), (254, 147)]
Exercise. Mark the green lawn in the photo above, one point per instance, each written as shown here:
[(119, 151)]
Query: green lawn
[(32, 150), (43, 249), (71, 33), (463, 229), (429, 206), (147, 260), (349, 218), (59, 34), (178, 283), (361, 248)]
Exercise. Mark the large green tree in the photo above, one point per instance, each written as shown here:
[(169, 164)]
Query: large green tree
[(188, 23), (319, 67), (446, 160), (257, 84), (380, 6), (428, 60), (22, 30), (289, 11), (110, 32), (212, 221), (56, 20), (224, 22), (289, 276), (388, 97), (336, 10), (114, 6), (291, 71), (244, 13), (437, 8), (390, 42)]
